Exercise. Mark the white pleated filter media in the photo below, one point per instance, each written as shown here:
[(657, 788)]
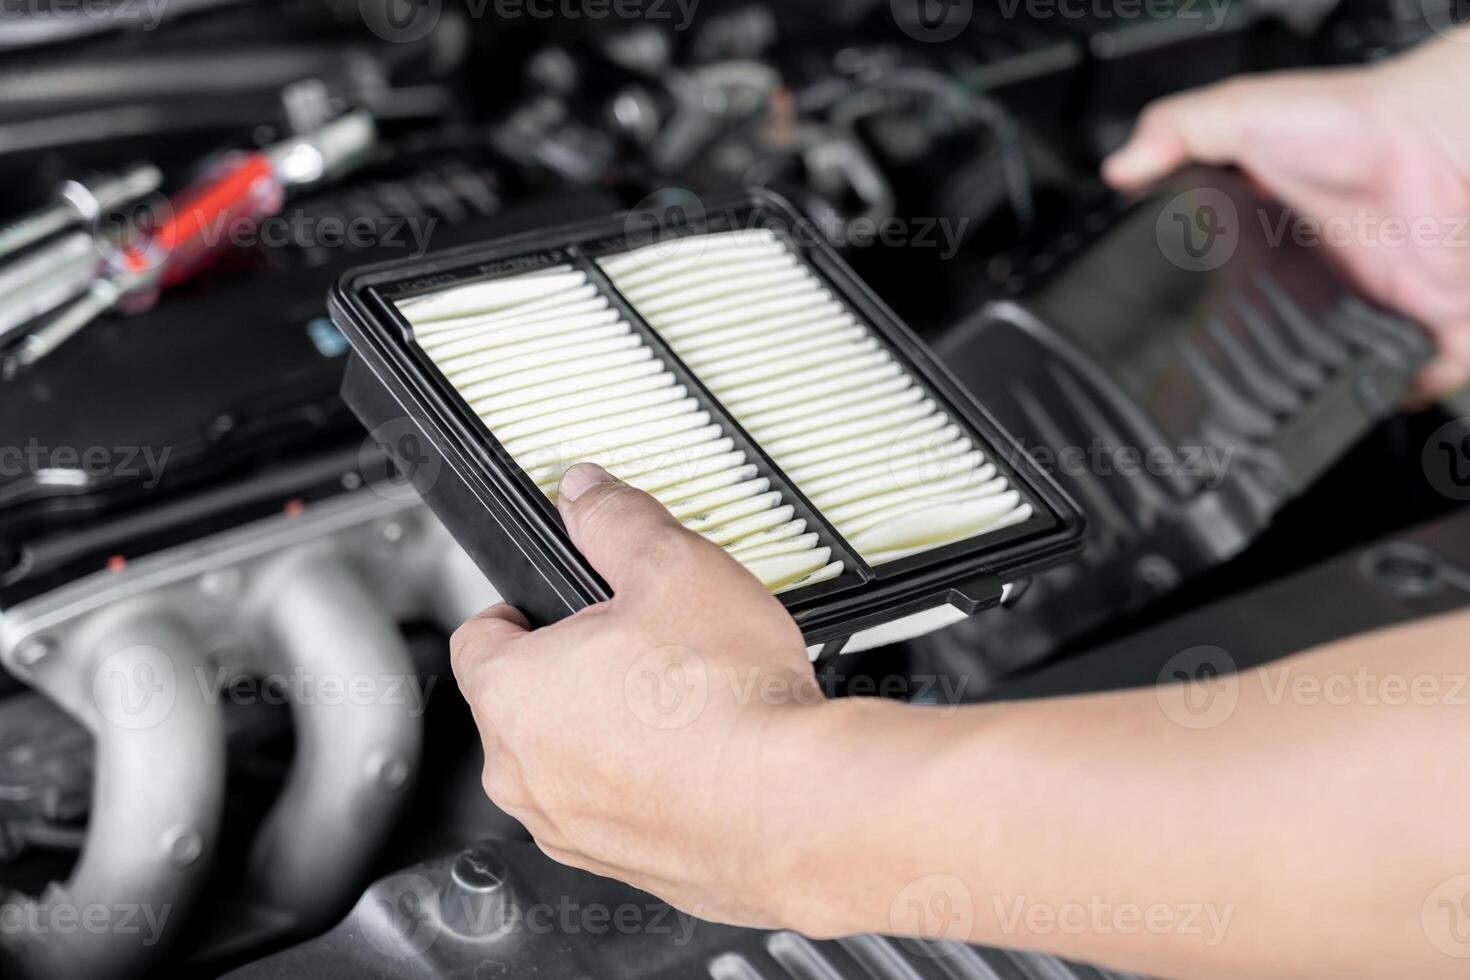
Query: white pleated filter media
[(819, 392), (559, 376), (555, 372)]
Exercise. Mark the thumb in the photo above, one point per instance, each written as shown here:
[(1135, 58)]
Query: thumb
[(630, 538)]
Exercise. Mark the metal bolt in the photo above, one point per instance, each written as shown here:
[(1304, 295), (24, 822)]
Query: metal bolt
[(388, 772), (1157, 572), (391, 532), (221, 583), (34, 650), (1405, 569), (220, 427), (475, 900), (479, 869), (183, 845)]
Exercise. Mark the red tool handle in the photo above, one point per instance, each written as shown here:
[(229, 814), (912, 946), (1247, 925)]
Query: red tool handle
[(207, 218)]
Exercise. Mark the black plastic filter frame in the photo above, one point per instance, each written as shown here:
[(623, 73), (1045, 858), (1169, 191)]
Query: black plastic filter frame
[(513, 532)]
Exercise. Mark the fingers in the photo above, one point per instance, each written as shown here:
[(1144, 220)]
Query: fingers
[(1206, 126), (1451, 371), (485, 635), (1438, 380), (1282, 126), (1153, 152), (630, 539)]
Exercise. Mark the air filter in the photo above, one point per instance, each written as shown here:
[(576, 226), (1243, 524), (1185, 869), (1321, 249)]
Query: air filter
[(733, 368)]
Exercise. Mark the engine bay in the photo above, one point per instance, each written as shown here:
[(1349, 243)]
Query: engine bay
[(226, 711)]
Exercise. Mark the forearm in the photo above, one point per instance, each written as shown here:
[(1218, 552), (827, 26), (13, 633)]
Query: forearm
[(1301, 833)]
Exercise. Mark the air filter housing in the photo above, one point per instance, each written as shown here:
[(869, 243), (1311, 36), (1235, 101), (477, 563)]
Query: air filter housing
[(1235, 381), (734, 368)]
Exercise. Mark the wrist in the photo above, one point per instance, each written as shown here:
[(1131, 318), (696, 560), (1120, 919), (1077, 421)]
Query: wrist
[(780, 796), (847, 837)]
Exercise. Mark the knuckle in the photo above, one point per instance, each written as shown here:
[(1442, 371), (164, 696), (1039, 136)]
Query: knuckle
[(1162, 112), (460, 642), (470, 634), (1233, 88), (556, 852), (502, 787), (491, 781), (468, 649), (473, 643), (1153, 115), (1232, 97)]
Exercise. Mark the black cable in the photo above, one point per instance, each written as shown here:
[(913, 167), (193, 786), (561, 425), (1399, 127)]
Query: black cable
[(970, 105)]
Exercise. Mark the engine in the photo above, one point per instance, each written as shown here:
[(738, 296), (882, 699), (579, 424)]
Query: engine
[(230, 742)]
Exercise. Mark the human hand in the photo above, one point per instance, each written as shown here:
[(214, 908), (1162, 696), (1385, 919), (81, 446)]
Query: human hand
[(993, 823), (647, 738), (1377, 157)]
